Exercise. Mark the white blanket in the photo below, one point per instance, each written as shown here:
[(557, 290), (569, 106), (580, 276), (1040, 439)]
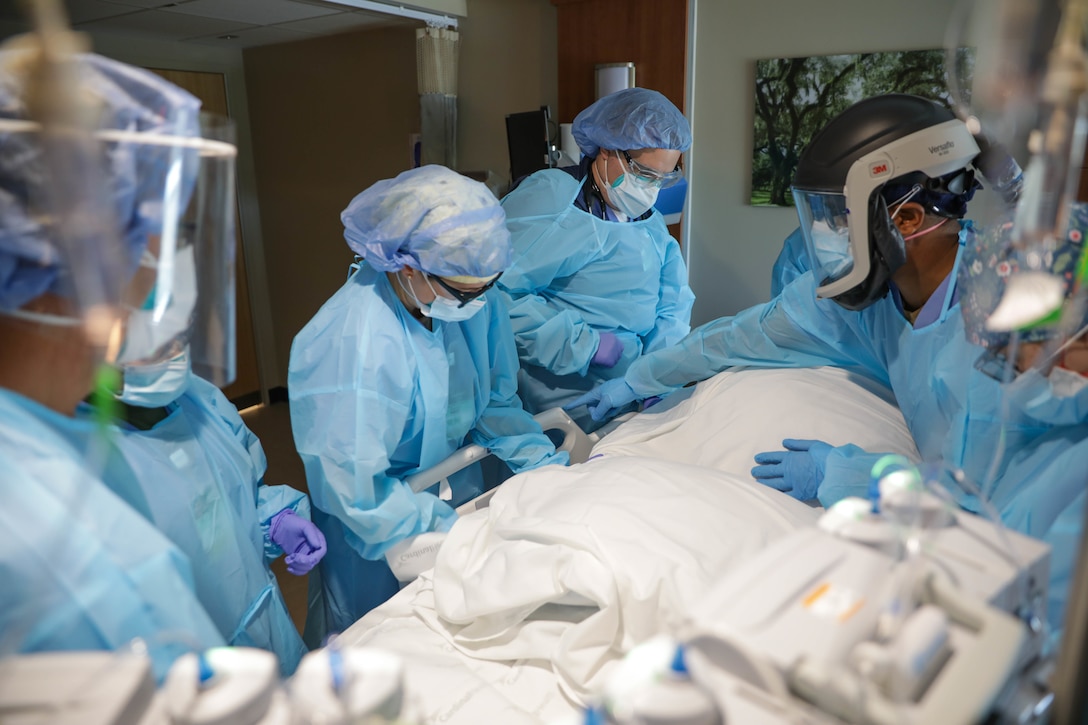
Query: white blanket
[(741, 412), (573, 566)]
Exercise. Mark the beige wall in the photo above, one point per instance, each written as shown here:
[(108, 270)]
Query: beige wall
[(508, 64), (333, 115)]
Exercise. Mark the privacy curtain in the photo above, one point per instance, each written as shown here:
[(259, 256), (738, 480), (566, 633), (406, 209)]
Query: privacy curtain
[(436, 71)]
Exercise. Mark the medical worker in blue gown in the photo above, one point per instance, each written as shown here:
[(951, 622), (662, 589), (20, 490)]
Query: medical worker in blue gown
[(412, 358), (1000, 169), (200, 470), (791, 262), (596, 279), (881, 301), (81, 568), (1042, 492)]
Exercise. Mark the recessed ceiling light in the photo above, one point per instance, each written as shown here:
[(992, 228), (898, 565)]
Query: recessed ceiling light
[(228, 37)]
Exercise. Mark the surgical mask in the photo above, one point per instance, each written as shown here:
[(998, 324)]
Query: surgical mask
[(159, 323), (1059, 398), (447, 310), (157, 385), (443, 308), (832, 249), (631, 196)]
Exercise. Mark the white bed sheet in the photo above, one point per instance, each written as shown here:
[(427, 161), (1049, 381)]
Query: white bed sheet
[(738, 413), (442, 685), (569, 568), (535, 598)]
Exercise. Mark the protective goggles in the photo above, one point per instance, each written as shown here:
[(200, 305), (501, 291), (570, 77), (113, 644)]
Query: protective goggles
[(460, 295), (653, 177)]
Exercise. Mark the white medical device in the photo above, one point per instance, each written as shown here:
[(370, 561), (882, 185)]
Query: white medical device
[(872, 619), (342, 686), (75, 688)]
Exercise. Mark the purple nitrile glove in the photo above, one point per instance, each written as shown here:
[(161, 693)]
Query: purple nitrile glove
[(798, 470), (651, 402), (300, 539), (609, 350)]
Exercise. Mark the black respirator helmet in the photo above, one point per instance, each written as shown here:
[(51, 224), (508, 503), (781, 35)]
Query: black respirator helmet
[(881, 151)]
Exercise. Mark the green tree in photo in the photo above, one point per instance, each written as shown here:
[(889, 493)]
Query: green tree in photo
[(795, 97)]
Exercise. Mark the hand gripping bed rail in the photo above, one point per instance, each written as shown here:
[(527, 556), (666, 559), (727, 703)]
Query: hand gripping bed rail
[(575, 442)]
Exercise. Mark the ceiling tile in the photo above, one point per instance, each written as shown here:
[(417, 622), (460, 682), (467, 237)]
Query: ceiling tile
[(159, 24), (13, 10), (81, 11), (264, 12), (146, 4), (268, 35), (344, 21)]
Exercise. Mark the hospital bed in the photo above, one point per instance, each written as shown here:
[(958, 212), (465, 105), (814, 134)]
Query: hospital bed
[(547, 581), (542, 593)]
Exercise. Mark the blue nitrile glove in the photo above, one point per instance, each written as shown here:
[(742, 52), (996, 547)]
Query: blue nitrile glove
[(605, 398), (609, 350), (798, 470), (300, 539)]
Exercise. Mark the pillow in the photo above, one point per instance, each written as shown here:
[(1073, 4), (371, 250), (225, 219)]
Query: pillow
[(574, 566), (740, 412)]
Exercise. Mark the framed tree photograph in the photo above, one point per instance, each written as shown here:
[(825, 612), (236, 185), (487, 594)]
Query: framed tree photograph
[(796, 97)]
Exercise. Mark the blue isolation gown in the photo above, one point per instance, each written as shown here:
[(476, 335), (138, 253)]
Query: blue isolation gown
[(199, 470), (953, 411), (791, 263), (376, 397), (575, 275), (83, 570)]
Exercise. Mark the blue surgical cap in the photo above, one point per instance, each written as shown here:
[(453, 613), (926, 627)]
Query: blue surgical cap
[(634, 118), (120, 98), (431, 219), (991, 259)]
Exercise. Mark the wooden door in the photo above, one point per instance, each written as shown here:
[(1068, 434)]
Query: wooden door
[(652, 34), (211, 89)]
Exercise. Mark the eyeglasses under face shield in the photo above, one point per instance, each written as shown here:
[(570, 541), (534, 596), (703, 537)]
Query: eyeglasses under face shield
[(653, 177), (825, 227)]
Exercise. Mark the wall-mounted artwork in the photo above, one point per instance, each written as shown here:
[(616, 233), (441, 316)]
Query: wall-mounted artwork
[(795, 97)]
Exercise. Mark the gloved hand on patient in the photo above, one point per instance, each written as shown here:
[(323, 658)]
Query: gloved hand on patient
[(797, 471), (413, 556), (609, 350), (604, 399), (299, 538)]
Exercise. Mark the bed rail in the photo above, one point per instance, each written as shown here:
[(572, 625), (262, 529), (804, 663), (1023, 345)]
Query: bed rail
[(575, 442)]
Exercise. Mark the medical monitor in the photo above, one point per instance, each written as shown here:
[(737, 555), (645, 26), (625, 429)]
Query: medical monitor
[(528, 142)]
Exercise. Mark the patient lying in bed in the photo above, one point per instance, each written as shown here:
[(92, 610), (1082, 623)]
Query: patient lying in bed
[(570, 567)]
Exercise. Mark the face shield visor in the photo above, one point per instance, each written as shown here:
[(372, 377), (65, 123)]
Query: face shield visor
[(182, 292), (825, 227), (132, 230), (934, 151)]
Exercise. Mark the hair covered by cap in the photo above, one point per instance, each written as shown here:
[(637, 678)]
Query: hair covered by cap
[(431, 219), (120, 97), (634, 118), (991, 259)]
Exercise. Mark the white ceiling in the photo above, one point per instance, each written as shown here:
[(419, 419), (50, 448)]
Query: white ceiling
[(222, 23)]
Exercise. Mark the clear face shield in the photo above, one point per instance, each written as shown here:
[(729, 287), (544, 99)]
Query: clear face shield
[(824, 222), (182, 293), (144, 227)]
